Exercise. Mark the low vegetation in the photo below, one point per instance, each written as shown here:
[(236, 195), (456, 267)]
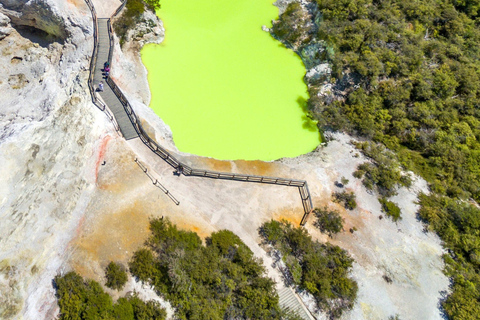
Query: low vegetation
[(347, 199), (383, 173), (321, 269), (328, 221), (131, 15), (116, 276), (219, 280), (85, 299), (405, 77), (390, 209), (458, 224)]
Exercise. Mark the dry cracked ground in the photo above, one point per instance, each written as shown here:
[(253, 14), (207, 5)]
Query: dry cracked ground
[(73, 198)]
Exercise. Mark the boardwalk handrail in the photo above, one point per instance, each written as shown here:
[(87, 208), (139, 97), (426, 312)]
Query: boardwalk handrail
[(102, 106), (156, 183), (170, 159)]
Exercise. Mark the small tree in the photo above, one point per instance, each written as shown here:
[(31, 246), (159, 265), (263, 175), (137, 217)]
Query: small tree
[(328, 221), (391, 209), (116, 276), (348, 199)]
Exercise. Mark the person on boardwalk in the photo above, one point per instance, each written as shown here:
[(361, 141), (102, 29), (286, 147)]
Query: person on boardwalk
[(100, 86), (107, 71), (106, 65)]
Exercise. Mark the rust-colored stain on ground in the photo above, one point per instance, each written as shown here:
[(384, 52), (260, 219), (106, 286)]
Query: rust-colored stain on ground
[(291, 215), (101, 154), (198, 227), (218, 165), (256, 167), (77, 3), (112, 236)]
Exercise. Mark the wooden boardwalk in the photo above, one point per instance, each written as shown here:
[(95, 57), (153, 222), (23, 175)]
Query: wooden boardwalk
[(126, 121), (290, 301), (111, 100)]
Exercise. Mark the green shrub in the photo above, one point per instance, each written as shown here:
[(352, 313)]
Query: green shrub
[(289, 29), (328, 221), (132, 14), (116, 276), (321, 269), (85, 299), (344, 181), (348, 199), (153, 4), (390, 209), (383, 173), (219, 280)]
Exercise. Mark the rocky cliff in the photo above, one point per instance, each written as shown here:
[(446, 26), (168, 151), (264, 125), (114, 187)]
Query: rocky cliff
[(48, 135)]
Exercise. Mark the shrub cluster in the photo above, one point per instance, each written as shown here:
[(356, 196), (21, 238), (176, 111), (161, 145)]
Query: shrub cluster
[(321, 269), (85, 299), (390, 209), (219, 280), (405, 75), (348, 199), (116, 276), (458, 224), (383, 173), (328, 221), (132, 14)]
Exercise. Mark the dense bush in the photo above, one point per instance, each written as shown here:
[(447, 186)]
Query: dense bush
[(328, 221), (85, 299), (116, 276), (293, 28), (390, 209), (348, 199), (221, 280), (321, 269), (458, 224), (383, 173), (408, 75), (405, 75)]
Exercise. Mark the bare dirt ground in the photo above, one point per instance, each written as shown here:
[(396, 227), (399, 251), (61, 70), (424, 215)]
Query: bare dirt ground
[(105, 9)]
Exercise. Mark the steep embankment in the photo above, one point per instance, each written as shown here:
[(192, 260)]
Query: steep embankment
[(49, 132)]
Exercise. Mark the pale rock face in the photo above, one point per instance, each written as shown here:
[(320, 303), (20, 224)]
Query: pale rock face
[(43, 15), (5, 30), (49, 131), (149, 30)]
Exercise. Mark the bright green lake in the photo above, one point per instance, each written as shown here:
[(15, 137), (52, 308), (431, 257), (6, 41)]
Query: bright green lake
[(227, 89)]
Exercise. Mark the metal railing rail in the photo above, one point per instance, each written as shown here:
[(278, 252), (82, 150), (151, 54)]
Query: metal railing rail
[(171, 160), (155, 182), (102, 106)]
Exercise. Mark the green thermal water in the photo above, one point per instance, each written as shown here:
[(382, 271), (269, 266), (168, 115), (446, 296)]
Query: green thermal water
[(226, 88)]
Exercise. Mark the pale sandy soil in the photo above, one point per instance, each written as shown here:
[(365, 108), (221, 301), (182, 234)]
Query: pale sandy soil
[(105, 9)]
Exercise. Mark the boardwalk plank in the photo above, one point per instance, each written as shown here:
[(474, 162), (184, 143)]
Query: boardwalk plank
[(112, 101)]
